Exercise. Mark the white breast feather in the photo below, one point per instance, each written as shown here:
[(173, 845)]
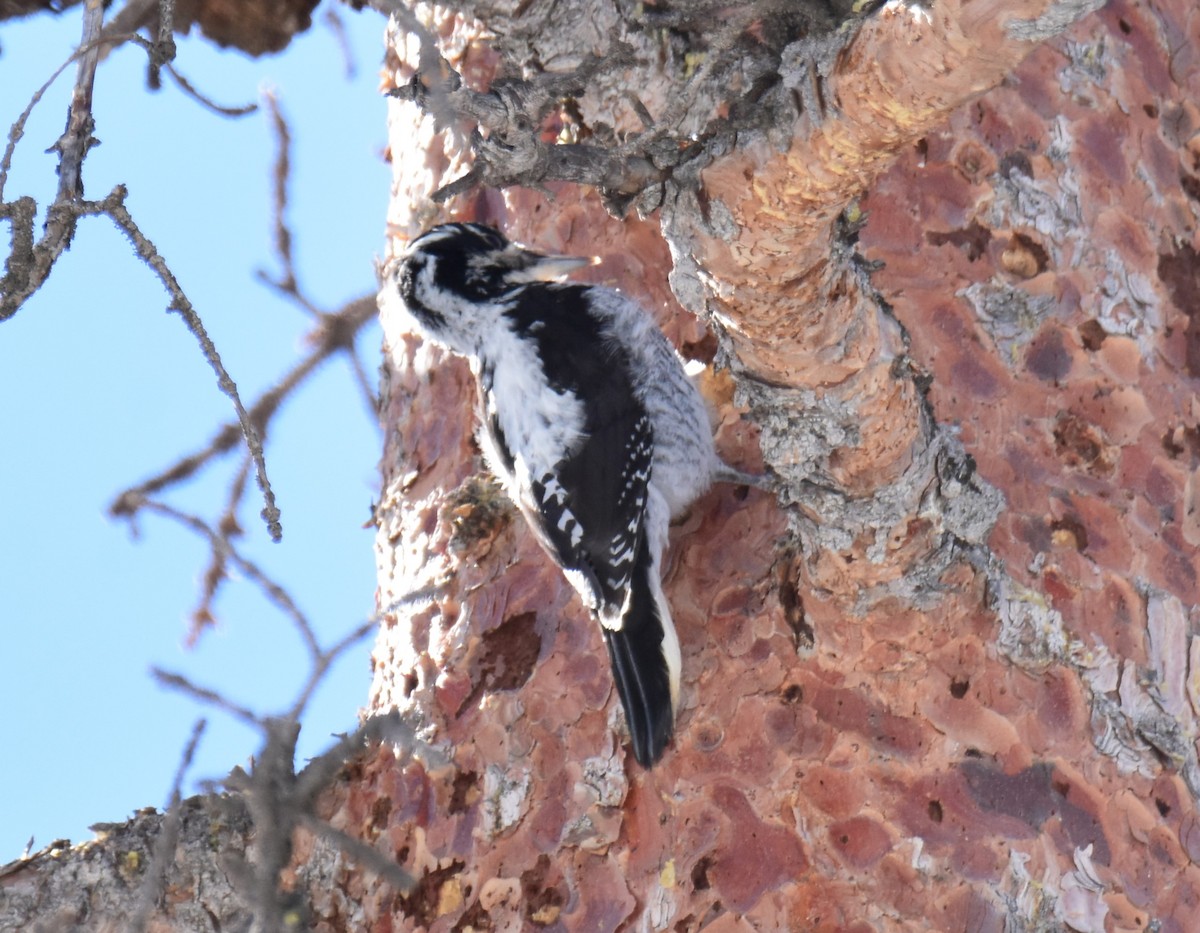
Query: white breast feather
[(544, 425)]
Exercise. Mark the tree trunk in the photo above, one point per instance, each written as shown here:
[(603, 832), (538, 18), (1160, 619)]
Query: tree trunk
[(949, 678), (893, 713)]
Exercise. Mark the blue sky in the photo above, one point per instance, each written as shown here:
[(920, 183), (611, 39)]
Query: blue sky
[(100, 388)]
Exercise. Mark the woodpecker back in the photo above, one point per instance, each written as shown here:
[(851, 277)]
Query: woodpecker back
[(592, 426)]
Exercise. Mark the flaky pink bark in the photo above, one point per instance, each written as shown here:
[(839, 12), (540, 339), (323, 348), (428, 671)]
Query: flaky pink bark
[(958, 756)]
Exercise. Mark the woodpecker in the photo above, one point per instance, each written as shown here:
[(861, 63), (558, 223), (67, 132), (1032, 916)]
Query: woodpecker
[(590, 423)]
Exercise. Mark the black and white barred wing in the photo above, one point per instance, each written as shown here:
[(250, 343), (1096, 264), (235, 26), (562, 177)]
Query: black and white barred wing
[(591, 509), (601, 543)]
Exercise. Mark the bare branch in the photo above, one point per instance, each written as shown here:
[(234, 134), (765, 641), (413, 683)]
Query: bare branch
[(204, 695), (282, 233), (323, 660), (223, 546), (30, 262), (279, 800), (216, 574), (163, 51), (334, 332), (275, 798), (224, 110), (371, 859), (365, 388), (180, 304), (511, 152), (17, 130), (334, 21), (269, 793), (73, 145)]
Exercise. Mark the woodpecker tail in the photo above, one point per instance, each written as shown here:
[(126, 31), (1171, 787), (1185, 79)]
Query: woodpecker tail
[(645, 660)]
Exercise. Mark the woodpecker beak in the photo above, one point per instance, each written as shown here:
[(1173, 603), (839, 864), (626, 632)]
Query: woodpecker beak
[(538, 268)]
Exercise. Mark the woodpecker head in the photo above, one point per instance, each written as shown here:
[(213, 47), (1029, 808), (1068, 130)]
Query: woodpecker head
[(450, 270)]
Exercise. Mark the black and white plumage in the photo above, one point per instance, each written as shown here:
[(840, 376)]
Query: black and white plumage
[(592, 426)]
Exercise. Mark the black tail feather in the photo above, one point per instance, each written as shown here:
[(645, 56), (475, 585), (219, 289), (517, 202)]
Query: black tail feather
[(640, 671)]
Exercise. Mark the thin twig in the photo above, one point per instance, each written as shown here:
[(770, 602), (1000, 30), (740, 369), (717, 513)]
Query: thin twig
[(363, 381), (350, 320), (369, 858), (129, 19), (334, 22), (282, 234), (216, 573), (183, 307), (320, 771), (272, 590), (168, 838), (17, 130), (224, 110), (324, 660), (204, 695), (278, 800)]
